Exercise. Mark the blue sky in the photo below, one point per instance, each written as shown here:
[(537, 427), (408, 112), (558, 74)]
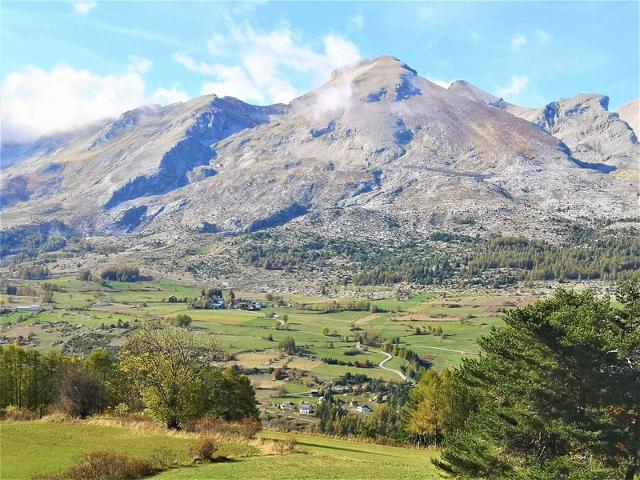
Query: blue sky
[(68, 63)]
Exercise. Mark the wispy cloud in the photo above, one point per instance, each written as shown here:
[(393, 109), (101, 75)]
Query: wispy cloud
[(543, 37), (356, 23), (518, 41), (518, 85), (84, 8), (266, 63)]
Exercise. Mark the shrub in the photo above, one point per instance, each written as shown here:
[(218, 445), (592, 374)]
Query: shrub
[(13, 413), (288, 345), (164, 458), (203, 449), (180, 320), (248, 427), (102, 465), (287, 445)]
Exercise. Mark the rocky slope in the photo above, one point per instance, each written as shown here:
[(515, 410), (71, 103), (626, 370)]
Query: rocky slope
[(630, 113), (376, 152)]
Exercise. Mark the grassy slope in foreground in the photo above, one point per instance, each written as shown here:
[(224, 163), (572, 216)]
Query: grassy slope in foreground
[(29, 447), (320, 458)]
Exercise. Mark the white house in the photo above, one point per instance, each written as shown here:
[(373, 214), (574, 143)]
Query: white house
[(287, 406), (364, 409), (306, 409)]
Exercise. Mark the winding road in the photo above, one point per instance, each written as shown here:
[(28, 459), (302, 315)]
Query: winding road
[(389, 357)]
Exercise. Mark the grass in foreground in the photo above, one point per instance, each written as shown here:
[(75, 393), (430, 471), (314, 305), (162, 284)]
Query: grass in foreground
[(40, 446), (321, 458)]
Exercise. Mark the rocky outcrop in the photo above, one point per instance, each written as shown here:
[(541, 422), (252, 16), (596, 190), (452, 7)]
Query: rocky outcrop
[(593, 134)]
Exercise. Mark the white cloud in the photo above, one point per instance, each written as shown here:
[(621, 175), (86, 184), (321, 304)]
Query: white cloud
[(518, 41), (267, 62), (139, 65), (166, 96), (38, 102), (83, 8), (441, 83), (518, 84), (543, 36), (356, 23)]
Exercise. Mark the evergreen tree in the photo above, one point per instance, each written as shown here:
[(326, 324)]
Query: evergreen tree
[(556, 393)]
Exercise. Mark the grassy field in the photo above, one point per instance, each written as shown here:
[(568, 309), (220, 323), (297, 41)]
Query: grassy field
[(321, 458), (87, 315), (38, 446), (31, 447)]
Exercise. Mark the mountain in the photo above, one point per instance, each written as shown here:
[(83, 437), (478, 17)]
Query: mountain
[(630, 113), (593, 134), (376, 152)]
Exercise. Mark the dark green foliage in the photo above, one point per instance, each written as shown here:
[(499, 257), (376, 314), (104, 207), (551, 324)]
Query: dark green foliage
[(336, 306), (27, 241), (227, 395), (586, 257), (445, 257), (122, 273), (556, 393)]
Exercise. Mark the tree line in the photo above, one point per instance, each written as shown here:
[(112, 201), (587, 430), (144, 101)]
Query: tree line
[(166, 370)]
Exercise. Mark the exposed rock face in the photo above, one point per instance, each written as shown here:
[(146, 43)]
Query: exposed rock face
[(593, 134), (376, 151), (630, 113)]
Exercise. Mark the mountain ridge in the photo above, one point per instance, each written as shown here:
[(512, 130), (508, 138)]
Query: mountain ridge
[(375, 139)]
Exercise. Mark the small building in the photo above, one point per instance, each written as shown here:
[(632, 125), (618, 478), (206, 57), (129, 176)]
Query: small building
[(306, 409), (314, 393), (29, 309), (364, 409), (287, 406)]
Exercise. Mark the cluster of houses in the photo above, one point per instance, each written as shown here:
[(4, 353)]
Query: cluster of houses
[(307, 409), (303, 409)]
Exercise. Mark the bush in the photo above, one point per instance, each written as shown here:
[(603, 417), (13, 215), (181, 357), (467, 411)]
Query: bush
[(13, 413), (164, 458), (288, 345), (102, 465), (180, 320), (203, 449), (287, 445)]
